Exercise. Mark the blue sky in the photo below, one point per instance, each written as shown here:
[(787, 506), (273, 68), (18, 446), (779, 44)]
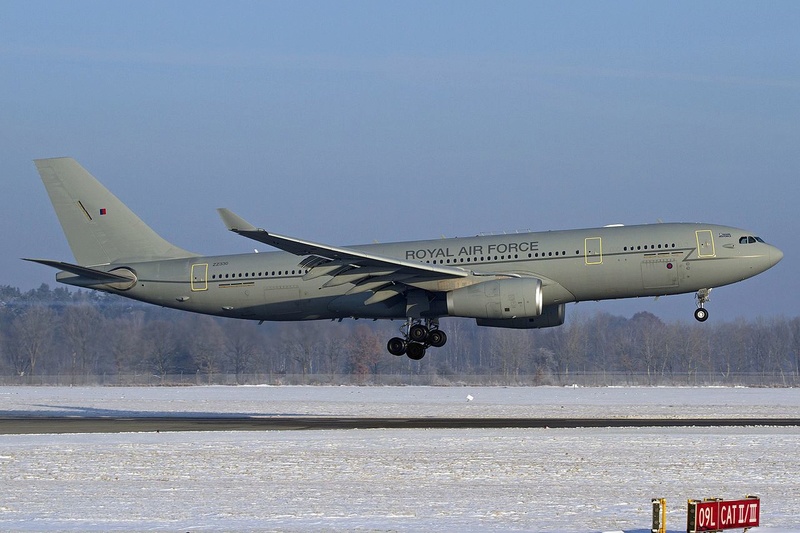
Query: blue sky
[(356, 122)]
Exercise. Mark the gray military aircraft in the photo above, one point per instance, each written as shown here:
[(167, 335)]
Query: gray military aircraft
[(520, 280)]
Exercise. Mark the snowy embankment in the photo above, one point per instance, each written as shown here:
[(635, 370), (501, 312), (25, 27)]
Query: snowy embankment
[(565, 480)]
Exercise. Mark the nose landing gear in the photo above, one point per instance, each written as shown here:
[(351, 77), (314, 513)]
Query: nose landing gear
[(417, 337), (702, 296)]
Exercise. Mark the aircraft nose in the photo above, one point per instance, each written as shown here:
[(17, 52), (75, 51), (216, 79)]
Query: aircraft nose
[(775, 255)]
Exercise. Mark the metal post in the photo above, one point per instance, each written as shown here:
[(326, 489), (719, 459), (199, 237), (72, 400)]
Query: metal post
[(659, 515)]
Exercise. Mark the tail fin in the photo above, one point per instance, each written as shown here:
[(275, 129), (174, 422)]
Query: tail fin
[(99, 227)]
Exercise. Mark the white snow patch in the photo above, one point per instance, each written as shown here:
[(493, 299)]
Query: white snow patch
[(550, 480)]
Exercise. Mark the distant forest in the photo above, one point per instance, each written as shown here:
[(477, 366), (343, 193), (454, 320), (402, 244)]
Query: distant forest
[(59, 336)]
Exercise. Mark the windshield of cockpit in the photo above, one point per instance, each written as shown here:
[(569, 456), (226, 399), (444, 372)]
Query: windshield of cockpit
[(749, 239)]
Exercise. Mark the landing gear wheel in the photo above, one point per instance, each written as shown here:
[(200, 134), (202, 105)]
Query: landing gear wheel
[(702, 297), (417, 333), (701, 314), (415, 351), (436, 338), (396, 346)]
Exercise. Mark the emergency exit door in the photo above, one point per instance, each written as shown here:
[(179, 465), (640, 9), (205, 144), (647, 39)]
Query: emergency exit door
[(705, 243), (199, 277), (593, 250)]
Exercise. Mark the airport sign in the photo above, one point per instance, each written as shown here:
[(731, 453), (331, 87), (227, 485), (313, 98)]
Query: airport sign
[(718, 515)]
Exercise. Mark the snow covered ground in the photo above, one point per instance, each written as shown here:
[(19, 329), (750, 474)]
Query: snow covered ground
[(548, 480)]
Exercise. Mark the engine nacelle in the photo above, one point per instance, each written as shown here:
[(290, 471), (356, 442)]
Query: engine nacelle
[(497, 299), (552, 316)]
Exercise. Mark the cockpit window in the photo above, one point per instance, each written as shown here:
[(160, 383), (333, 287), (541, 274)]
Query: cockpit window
[(749, 239)]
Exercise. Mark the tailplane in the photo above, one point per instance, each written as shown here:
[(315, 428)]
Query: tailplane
[(99, 227)]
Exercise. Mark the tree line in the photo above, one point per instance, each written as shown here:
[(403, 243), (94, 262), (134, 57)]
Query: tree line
[(80, 334)]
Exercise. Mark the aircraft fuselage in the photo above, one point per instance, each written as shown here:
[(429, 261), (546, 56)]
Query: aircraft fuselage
[(574, 265)]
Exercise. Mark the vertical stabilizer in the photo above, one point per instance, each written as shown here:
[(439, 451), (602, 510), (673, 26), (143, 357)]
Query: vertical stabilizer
[(99, 227)]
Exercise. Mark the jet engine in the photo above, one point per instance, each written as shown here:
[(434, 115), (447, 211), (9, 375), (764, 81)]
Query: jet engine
[(552, 316), (497, 299)]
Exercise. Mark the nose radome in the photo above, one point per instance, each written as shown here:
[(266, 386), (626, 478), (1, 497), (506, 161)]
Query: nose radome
[(775, 255)]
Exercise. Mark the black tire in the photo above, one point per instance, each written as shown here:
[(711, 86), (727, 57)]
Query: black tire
[(437, 338), (415, 351), (701, 314), (418, 333), (396, 346)]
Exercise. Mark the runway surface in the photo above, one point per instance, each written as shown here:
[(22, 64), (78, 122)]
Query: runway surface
[(30, 425)]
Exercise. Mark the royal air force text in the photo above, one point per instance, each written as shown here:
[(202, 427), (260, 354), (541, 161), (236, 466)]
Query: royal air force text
[(476, 250)]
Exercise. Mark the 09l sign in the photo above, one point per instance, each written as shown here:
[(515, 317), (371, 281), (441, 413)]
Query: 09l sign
[(717, 515)]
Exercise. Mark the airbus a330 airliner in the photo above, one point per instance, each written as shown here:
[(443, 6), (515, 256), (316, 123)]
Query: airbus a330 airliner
[(520, 280)]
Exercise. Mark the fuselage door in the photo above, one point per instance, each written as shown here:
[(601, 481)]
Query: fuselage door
[(593, 250), (199, 277), (705, 243)]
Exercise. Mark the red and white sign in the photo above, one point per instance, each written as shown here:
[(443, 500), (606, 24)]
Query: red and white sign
[(723, 514)]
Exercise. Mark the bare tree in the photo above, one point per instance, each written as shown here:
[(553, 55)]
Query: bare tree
[(570, 346), (543, 362), (365, 349), (600, 333), (205, 342), (779, 345), (733, 348), (31, 336), (336, 349), (794, 327), (456, 356), (56, 331), (301, 343), (162, 347), (127, 342), (650, 342), (78, 324), (511, 348), (241, 347)]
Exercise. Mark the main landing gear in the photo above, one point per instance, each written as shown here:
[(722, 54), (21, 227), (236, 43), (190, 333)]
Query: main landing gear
[(417, 337), (702, 296)]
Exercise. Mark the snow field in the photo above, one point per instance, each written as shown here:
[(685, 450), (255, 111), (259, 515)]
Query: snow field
[(544, 480)]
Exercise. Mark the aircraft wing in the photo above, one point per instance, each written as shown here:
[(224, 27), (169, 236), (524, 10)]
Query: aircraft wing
[(334, 261)]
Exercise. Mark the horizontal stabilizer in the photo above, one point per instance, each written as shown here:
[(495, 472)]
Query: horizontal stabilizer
[(91, 273)]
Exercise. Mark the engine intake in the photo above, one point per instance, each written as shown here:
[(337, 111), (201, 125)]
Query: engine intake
[(497, 299)]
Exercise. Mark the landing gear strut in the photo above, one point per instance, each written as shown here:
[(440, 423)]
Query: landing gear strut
[(702, 296), (417, 337)]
